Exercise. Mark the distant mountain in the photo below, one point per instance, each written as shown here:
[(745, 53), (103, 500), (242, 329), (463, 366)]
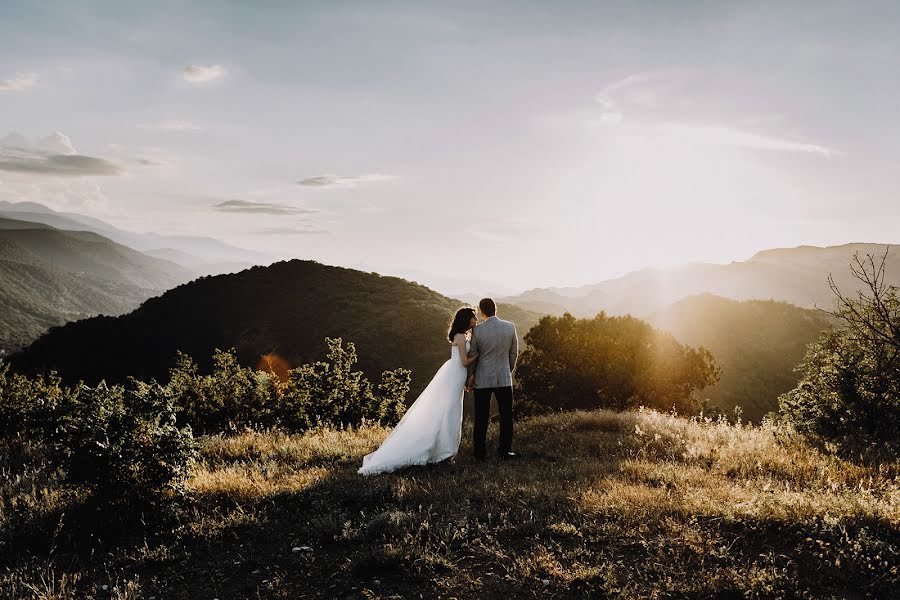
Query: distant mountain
[(202, 255), (89, 253), (287, 309), (49, 277), (796, 275), (196, 264), (756, 343)]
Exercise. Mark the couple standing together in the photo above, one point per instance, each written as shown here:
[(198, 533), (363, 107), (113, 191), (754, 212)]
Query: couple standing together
[(482, 356)]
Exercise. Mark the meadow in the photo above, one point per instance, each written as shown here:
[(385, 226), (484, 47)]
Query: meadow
[(600, 505)]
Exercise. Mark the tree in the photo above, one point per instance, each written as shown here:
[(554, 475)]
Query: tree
[(331, 393), (609, 362), (848, 397)]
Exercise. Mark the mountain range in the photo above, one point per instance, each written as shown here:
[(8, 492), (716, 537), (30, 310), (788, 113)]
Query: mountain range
[(756, 316), (201, 255), (795, 275), (286, 309), (50, 276)]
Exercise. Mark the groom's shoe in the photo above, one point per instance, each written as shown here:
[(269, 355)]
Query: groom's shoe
[(508, 455)]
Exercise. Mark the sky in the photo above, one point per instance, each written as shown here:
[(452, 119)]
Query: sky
[(480, 147)]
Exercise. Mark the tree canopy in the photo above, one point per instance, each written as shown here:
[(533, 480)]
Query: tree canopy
[(610, 362)]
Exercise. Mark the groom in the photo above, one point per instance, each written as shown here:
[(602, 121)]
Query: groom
[(497, 347)]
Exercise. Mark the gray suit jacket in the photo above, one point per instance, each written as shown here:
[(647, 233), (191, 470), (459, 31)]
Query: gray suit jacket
[(497, 346)]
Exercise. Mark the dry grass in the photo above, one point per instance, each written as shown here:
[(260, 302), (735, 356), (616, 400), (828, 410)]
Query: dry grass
[(633, 505)]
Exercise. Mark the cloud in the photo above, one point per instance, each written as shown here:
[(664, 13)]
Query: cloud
[(732, 136), (648, 100), (174, 125), (611, 117), (606, 96), (53, 155), (329, 181), (19, 83), (504, 230), (200, 74), (84, 195), (266, 208), (152, 162), (290, 231), (56, 143)]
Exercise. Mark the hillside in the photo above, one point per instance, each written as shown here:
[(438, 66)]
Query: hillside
[(202, 254), (285, 309), (600, 505), (757, 343), (49, 277), (34, 297), (795, 275), (93, 255)]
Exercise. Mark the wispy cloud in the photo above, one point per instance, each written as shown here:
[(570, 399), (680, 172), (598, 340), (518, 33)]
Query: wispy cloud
[(200, 73), (174, 125), (56, 143), (268, 208), (53, 155), (644, 102), (19, 83), (328, 181), (607, 96), (732, 136), (290, 231), (504, 230), (152, 162)]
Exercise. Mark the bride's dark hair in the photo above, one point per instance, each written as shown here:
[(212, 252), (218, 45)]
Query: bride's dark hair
[(460, 322)]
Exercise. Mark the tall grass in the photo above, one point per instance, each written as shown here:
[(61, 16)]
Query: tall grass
[(601, 504)]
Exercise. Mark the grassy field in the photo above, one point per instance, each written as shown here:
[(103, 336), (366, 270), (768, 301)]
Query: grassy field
[(633, 505)]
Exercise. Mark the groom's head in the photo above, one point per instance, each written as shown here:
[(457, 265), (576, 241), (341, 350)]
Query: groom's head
[(487, 308)]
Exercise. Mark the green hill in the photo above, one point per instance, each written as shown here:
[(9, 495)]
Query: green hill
[(286, 309), (757, 343), (92, 254), (207, 254), (49, 277), (34, 298)]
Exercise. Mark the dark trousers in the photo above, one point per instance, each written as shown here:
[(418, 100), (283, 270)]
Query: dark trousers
[(504, 397)]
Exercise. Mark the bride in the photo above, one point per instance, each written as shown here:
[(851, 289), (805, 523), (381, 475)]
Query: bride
[(431, 428)]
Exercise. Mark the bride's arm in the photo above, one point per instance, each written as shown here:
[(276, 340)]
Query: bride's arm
[(459, 340)]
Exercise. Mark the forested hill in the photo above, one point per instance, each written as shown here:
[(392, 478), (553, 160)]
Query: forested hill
[(286, 309), (757, 343), (49, 276)]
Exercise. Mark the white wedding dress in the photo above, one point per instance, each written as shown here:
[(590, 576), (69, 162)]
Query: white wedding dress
[(431, 428)]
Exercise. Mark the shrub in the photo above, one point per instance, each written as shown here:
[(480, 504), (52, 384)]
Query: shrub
[(848, 397), (122, 442), (29, 407), (231, 397), (331, 393)]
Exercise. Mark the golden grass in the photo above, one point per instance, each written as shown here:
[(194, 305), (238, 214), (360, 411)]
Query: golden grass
[(602, 504)]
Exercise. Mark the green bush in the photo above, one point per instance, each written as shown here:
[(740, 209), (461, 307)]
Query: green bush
[(848, 397), (122, 442), (331, 393), (609, 362), (328, 393), (29, 407), (230, 397)]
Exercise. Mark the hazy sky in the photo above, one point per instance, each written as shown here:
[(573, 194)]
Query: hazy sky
[(503, 145)]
